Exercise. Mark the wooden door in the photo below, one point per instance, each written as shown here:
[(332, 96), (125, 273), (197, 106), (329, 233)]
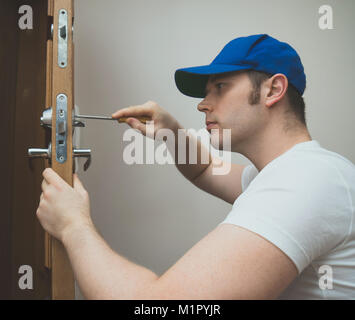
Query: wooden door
[(32, 78), (60, 85)]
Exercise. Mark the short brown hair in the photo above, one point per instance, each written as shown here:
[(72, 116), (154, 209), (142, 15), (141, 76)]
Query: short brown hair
[(296, 101)]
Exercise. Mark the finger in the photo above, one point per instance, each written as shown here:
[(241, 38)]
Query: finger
[(134, 111), (136, 124), (52, 177), (50, 191), (44, 185)]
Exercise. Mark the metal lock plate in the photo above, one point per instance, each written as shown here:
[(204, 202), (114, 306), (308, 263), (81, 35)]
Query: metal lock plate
[(61, 128), (63, 39)]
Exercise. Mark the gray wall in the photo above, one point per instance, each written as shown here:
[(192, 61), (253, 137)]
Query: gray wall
[(126, 54)]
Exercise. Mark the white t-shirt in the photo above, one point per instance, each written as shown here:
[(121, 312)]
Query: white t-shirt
[(303, 202)]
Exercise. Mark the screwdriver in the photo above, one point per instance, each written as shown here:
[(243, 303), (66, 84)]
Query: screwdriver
[(142, 119)]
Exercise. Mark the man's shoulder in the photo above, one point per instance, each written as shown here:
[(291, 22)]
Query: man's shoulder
[(317, 168), (319, 163)]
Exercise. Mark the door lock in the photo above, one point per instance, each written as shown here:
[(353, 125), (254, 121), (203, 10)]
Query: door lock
[(46, 120), (61, 135)]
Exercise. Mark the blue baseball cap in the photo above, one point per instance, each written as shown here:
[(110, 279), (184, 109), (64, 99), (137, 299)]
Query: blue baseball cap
[(259, 52)]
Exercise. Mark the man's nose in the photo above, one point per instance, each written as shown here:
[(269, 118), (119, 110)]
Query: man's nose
[(204, 105)]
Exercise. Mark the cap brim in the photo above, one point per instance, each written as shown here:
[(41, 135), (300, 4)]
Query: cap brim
[(192, 81)]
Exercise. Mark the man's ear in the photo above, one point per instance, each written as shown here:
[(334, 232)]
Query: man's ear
[(276, 87)]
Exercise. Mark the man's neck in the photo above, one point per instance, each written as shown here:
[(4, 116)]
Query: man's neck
[(270, 146)]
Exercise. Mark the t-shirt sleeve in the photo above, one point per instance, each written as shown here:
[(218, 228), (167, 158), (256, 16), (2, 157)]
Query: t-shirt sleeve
[(302, 211), (248, 174)]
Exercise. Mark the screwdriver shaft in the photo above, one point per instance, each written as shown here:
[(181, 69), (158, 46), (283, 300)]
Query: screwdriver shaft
[(121, 119), (93, 117)]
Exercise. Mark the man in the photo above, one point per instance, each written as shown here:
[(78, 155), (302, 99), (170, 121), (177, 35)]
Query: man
[(291, 231)]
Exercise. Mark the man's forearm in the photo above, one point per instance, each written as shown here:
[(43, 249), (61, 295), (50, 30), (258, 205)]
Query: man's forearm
[(189, 171), (100, 272)]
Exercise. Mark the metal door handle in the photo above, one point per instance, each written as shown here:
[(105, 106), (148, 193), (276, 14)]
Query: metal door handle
[(83, 153), (40, 153), (47, 153)]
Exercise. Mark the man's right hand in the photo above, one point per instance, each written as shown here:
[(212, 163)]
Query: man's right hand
[(227, 187), (162, 119)]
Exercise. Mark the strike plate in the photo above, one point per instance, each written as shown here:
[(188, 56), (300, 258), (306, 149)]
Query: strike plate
[(61, 128), (63, 38)]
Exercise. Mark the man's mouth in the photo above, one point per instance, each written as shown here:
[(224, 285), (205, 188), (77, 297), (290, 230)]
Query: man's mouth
[(210, 125)]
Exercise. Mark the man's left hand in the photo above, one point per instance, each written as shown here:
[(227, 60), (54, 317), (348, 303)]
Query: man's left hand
[(62, 208)]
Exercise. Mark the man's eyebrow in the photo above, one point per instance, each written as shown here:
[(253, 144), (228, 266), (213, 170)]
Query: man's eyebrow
[(213, 79)]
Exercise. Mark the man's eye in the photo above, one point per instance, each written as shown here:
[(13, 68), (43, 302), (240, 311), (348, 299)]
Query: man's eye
[(220, 85)]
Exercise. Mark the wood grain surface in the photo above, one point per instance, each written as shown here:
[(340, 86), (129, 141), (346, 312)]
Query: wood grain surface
[(62, 83)]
